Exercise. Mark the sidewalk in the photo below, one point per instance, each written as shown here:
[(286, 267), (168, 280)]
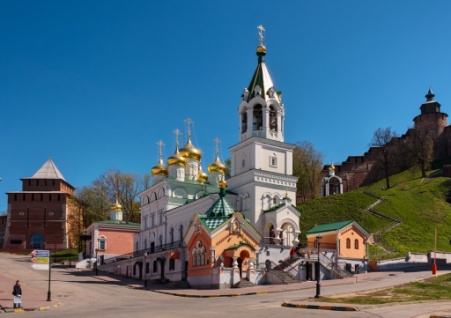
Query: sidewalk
[(378, 279), (232, 292), (37, 300), (32, 299)]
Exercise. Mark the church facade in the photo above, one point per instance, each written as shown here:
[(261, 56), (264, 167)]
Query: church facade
[(213, 232)]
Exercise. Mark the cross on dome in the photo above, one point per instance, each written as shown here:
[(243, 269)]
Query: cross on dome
[(188, 122), (260, 33), (177, 133)]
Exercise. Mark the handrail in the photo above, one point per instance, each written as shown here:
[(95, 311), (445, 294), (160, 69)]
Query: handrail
[(152, 250)]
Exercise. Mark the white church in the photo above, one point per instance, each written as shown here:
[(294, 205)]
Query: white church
[(211, 231)]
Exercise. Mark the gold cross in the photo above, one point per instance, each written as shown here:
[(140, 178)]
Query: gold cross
[(177, 133), (160, 144), (260, 33), (217, 141), (188, 122)]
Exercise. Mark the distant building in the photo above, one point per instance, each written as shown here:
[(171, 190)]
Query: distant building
[(342, 244), (41, 216), (332, 184), (112, 237), (358, 171)]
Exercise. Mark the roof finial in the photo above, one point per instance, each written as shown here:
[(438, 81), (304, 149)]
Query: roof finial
[(217, 141), (177, 134), (430, 95), (188, 122), (260, 34), (160, 145)]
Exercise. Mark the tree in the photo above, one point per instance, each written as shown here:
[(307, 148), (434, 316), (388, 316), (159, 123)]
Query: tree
[(385, 153), (228, 164), (307, 166), (98, 198), (420, 149)]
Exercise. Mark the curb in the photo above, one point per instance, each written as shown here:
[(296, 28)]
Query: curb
[(42, 308), (208, 296), (322, 307)]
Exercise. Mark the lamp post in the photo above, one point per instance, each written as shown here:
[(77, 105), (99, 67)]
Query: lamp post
[(97, 269), (145, 270), (318, 271)]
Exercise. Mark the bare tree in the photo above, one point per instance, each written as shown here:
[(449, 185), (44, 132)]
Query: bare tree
[(98, 198), (385, 153), (307, 166), (420, 149)]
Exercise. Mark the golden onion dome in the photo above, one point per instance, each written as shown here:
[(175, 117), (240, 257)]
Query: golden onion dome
[(202, 176), (177, 158), (332, 167), (189, 151), (222, 184), (261, 49), (160, 169), (217, 166), (116, 206)]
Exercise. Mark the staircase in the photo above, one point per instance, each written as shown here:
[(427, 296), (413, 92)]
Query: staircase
[(243, 284), (336, 270)]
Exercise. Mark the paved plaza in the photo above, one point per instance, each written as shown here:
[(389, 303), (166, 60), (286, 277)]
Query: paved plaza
[(79, 292)]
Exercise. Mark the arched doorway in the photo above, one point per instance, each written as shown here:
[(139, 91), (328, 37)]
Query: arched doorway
[(37, 241), (162, 261), (138, 267)]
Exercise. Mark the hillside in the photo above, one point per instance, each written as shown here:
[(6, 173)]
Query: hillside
[(420, 205)]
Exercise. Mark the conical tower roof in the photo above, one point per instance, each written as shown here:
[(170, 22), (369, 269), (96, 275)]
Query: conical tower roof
[(48, 171), (261, 77)]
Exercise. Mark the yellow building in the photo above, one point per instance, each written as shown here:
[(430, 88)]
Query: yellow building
[(342, 246)]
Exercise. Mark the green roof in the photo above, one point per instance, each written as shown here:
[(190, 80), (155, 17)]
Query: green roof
[(221, 208), (118, 222), (329, 227), (212, 222)]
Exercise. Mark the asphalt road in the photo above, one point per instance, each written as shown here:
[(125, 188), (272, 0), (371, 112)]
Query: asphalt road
[(82, 295)]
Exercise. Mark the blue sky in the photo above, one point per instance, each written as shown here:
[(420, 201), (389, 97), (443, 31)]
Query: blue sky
[(96, 84)]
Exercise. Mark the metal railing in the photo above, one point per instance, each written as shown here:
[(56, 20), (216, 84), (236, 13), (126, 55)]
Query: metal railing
[(149, 251)]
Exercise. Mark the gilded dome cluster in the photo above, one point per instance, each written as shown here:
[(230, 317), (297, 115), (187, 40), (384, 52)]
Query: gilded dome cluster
[(186, 157), (189, 151)]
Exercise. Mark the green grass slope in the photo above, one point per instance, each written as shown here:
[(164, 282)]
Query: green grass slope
[(420, 204)]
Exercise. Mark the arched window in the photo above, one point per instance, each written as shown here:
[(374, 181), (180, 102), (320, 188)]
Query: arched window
[(244, 121), (356, 244), (181, 233), (37, 241), (102, 243), (171, 235), (160, 239), (348, 243), (199, 255), (155, 266), (272, 118), (258, 118)]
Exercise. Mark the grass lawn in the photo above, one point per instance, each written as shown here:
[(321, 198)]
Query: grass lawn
[(435, 288)]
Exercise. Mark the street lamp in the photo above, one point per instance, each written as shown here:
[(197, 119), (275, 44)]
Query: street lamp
[(318, 271), (145, 270), (97, 268)]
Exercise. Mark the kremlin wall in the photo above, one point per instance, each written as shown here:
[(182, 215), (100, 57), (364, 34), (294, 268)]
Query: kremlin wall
[(358, 171)]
